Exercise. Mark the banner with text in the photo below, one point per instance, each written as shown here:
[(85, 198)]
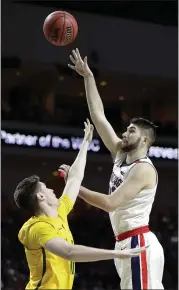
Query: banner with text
[(70, 142)]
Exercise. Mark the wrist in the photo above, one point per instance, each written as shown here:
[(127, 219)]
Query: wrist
[(90, 76), (86, 143), (115, 253), (81, 191)]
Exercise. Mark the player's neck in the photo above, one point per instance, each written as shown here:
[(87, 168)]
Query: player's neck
[(135, 155), (48, 211)]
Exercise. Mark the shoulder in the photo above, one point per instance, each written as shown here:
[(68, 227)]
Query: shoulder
[(142, 168), (32, 230), (65, 206), (40, 226), (41, 230), (144, 173)]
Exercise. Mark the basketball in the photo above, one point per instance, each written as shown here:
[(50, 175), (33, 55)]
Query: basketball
[(60, 28)]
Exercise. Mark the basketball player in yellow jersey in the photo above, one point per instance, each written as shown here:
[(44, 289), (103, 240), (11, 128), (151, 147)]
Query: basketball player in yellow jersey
[(46, 236)]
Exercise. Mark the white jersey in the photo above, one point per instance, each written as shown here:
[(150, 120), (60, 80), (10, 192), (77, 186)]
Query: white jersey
[(133, 213)]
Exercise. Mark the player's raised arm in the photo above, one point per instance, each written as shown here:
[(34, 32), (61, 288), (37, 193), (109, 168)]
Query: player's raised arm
[(78, 253), (76, 172), (91, 197), (142, 176), (104, 128)]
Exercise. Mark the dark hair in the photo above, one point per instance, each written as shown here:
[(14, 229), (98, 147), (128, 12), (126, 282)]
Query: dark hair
[(24, 195), (146, 125)]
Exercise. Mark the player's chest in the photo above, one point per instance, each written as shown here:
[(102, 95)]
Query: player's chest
[(63, 230), (117, 177)]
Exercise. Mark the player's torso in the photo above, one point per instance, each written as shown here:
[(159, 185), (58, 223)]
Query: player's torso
[(134, 213), (49, 270)]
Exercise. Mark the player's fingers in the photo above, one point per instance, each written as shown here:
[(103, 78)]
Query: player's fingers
[(91, 127), (134, 255), (85, 61), (74, 54), (67, 167), (86, 126), (88, 122), (63, 170), (71, 66), (72, 59), (144, 247), (61, 167), (64, 166), (139, 250), (78, 54)]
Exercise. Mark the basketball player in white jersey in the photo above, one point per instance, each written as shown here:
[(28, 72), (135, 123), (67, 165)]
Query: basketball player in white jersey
[(132, 189)]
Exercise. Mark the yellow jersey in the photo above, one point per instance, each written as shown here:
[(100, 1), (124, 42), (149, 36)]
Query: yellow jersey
[(48, 271)]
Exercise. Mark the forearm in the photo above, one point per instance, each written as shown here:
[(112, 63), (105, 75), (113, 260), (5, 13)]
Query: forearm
[(87, 254), (93, 98), (94, 198), (78, 253), (78, 166)]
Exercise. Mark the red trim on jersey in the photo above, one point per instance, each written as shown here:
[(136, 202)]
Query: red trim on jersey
[(144, 272), (129, 234)]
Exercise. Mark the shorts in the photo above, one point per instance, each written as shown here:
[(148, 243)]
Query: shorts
[(144, 271)]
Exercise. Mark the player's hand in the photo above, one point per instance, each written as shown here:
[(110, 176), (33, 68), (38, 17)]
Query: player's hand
[(80, 66), (88, 131), (64, 170), (129, 253)]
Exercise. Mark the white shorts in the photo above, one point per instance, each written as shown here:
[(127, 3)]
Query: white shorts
[(145, 271)]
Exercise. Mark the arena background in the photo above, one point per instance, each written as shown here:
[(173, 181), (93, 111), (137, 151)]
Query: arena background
[(132, 50)]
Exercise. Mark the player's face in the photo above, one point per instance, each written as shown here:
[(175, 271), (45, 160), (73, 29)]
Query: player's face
[(49, 195), (131, 139)]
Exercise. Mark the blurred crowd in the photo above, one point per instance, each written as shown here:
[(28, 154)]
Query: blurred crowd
[(54, 109), (90, 227)]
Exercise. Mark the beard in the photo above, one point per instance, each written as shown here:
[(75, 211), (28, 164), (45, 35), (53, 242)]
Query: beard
[(130, 147)]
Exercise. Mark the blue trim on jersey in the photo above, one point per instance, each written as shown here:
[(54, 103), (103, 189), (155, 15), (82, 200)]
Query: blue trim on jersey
[(125, 164), (135, 266)]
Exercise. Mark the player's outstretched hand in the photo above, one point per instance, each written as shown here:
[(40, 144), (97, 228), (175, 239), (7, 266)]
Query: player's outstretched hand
[(129, 253), (80, 66), (64, 170), (88, 131)]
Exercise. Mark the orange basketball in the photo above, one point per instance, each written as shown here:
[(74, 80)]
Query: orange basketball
[(60, 28)]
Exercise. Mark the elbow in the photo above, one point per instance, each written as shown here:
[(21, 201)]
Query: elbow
[(68, 253), (98, 118), (71, 253), (110, 209), (107, 205), (110, 206)]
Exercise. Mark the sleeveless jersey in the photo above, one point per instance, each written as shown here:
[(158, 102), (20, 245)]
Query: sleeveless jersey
[(134, 213)]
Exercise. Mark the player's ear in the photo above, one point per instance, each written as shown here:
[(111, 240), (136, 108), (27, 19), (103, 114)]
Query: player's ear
[(145, 139), (40, 196)]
